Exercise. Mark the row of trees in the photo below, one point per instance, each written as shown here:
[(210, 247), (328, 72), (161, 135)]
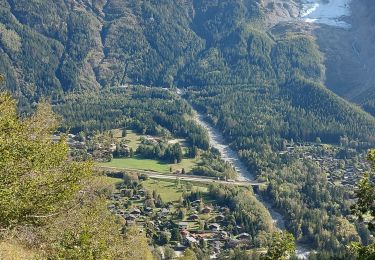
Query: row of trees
[(167, 152)]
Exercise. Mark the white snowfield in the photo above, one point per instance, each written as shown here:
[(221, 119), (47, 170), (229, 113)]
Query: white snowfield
[(330, 12)]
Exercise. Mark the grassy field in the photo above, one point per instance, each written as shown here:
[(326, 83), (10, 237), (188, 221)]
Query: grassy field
[(187, 164), (113, 180), (151, 165), (168, 190), (132, 138), (137, 163), (133, 141), (11, 249)]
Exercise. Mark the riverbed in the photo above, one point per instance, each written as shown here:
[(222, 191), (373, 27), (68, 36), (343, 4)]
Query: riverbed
[(229, 155)]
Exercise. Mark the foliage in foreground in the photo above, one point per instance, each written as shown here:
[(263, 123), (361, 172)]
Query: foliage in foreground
[(281, 246), (36, 179), (51, 206), (365, 210)]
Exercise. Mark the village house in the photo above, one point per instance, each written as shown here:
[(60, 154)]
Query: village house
[(112, 148), (243, 236), (72, 136), (223, 234), (135, 212), (193, 217), (217, 246), (130, 222), (214, 227), (126, 192), (130, 217), (219, 218), (163, 212), (149, 209), (136, 197), (224, 210), (207, 210), (184, 233), (190, 241)]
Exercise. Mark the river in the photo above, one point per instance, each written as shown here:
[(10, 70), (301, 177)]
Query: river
[(229, 155)]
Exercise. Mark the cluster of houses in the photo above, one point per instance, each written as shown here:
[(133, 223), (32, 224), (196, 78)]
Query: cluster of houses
[(73, 141), (340, 171), (87, 147), (213, 234)]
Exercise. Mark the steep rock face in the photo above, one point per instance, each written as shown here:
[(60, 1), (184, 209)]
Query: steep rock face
[(280, 11), (349, 53), (365, 46)]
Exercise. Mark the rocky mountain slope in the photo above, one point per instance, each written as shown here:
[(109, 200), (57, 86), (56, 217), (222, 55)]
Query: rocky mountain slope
[(350, 53), (347, 43)]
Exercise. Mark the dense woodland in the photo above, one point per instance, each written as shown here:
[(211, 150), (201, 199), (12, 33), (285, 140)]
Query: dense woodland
[(86, 45), (248, 212), (149, 111), (259, 89)]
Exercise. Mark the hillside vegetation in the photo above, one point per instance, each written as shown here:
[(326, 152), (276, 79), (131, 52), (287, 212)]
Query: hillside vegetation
[(42, 190), (78, 45), (263, 91), (87, 45)]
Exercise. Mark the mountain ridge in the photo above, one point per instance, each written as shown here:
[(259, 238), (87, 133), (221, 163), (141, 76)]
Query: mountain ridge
[(89, 45)]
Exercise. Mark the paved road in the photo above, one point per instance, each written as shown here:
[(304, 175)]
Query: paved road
[(182, 177)]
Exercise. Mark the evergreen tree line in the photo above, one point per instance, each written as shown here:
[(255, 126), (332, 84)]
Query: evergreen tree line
[(149, 111)]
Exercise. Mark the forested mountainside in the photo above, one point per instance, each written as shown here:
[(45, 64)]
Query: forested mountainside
[(87, 45), (264, 91)]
